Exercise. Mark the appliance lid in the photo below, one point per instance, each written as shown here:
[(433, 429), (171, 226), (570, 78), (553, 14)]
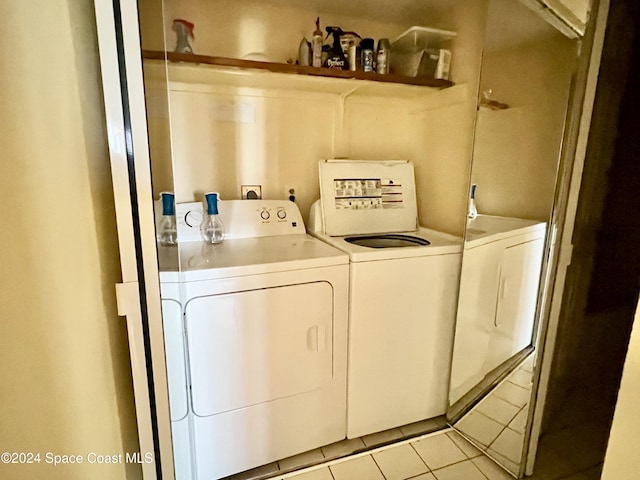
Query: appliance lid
[(367, 196), (193, 261)]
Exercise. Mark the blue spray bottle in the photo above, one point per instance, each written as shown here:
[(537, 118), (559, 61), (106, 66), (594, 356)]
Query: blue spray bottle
[(212, 228), (167, 233)]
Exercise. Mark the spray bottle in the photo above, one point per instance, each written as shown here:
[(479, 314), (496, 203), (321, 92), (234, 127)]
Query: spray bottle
[(184, 30), (336, 57), (212, 228)]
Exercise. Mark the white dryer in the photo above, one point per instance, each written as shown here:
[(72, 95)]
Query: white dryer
[(255, 334), (403, 293)]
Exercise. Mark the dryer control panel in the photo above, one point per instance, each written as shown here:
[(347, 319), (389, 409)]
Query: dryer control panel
[(243, 219)]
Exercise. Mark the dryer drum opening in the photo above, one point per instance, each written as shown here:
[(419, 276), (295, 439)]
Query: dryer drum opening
[(387, 241)]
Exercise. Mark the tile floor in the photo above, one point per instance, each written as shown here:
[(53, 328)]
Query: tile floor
[(443, 455), (497, 424)]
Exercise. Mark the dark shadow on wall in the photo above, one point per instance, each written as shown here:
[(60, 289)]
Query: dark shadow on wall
[(603, 279)]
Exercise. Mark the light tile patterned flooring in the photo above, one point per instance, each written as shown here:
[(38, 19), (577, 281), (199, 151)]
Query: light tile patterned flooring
[(443, 455), (498, 422)]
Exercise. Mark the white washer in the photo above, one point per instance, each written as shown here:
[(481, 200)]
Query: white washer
[(255, 334), (402, 300)]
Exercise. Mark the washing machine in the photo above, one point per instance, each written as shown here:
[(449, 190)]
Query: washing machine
[(403, 292), (256, 341)]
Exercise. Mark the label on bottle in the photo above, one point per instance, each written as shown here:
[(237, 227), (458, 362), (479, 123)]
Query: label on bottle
[(316, 51), (381, 62), (336, 62), (367, 60)]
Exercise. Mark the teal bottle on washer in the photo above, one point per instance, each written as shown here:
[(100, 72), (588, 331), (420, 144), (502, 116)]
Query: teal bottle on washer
[(212, 228), (167, 232)]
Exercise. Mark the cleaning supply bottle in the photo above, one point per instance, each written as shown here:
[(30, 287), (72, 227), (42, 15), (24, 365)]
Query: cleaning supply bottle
[(184, 30), (212, 228), (473, 210), (383, 56), (336, 58), (316, 46), (304, 53), (167, 233), (367, 55)]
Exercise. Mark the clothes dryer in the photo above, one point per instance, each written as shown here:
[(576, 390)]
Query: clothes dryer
[(403, 293), (255, 333)]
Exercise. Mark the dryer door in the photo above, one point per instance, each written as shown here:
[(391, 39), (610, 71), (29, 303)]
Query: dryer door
[(256, 346)]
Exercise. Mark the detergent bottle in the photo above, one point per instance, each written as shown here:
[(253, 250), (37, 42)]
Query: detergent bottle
[(167, 232), (212, 228), (184, 30), (336, 57)]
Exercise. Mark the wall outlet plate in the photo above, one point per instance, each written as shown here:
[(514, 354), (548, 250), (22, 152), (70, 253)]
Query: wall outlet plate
[(251, 192)]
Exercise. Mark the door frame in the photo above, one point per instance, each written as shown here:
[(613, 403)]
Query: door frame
[(566, 206), (138, 296)]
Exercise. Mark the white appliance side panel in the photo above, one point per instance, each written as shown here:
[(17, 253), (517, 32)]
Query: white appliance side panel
[(182, 449), (176, 358), (360, 197), (517, 298), (401, 331), (475, 318), (257, 346)]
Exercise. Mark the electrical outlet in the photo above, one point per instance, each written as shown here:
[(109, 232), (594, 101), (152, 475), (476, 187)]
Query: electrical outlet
[(290, 192), (251, 192)]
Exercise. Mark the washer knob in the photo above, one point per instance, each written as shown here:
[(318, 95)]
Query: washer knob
[(282, 214), (264, 214)]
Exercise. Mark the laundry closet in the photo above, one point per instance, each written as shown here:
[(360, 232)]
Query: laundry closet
[(254, 348)]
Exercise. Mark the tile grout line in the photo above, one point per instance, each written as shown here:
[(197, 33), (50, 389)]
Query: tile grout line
[(420, 457), (336, 461), (380, 469)]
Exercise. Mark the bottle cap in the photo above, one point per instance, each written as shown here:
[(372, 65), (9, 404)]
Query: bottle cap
[(168, 204), (367, 44), (212, 202)]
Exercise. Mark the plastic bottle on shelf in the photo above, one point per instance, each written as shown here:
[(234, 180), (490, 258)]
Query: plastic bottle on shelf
[(212, 228), (184, 31), (383, 56), (167, 232), (366, 52), (304, 53), (473, 210), (316, 46)]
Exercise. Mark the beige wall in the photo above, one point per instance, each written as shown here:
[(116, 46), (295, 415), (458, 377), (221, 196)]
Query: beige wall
[(288, 131), (517, 150), (65, 385), (622, 460)]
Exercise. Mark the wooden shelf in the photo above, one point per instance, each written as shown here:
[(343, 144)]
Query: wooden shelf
[(294, 69)]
